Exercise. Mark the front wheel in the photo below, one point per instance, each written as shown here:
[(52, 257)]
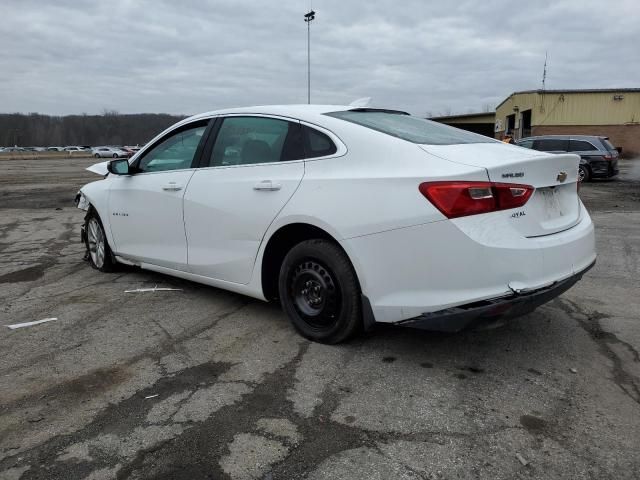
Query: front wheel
[(98, 249), (97, 155), (584, 175), (319, 291)]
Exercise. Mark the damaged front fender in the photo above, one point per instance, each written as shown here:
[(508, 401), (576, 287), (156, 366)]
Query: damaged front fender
[(81, 201)]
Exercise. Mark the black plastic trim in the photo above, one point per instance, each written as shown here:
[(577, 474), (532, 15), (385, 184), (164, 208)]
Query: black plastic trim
[(487, 311)]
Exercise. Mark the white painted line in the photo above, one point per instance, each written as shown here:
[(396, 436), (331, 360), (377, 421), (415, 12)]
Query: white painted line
[(29, 324)]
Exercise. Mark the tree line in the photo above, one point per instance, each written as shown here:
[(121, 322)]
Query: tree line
[(110, 128)]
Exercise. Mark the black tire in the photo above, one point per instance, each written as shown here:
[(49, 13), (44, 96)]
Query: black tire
[(97, 155), (319, 292), (102, 260), (584, 174), (115, 155)]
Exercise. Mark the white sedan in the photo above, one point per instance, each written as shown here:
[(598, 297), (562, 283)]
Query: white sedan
[(347, 216), (108, 152)]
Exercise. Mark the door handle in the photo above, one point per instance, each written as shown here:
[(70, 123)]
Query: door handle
[(172, 187), (267, 185)]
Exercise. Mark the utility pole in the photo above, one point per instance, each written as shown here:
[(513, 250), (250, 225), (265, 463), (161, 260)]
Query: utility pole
[(308, 18)]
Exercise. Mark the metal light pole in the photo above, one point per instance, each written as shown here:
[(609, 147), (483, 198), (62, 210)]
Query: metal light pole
[(308, 18)]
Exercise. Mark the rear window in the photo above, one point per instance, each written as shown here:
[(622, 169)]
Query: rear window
[(412, 129), (608, 145)]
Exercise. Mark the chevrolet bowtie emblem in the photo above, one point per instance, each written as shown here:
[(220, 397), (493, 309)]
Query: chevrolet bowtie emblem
[(562, 176)]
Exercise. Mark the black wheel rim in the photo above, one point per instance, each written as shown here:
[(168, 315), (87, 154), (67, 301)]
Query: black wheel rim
[(581, 174), (315, 294)]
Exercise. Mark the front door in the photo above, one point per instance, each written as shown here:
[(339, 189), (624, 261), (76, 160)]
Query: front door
[(145, 208), (256, 164)]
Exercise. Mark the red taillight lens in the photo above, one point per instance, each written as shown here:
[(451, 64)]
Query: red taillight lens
[(608, 157), (460, 199)]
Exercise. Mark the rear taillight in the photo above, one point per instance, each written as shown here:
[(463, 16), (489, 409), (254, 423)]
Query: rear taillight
[(460, 199), (608, 157)]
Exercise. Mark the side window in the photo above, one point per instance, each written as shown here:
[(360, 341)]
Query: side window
[(252, 140), (317, 144), (580, 146), (551, 145), (526, 143), (174, 152)]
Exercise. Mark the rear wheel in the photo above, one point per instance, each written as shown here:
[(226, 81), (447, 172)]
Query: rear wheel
[(319, 292), (115, 155), (584, 175), (98, 249), (97, 155)]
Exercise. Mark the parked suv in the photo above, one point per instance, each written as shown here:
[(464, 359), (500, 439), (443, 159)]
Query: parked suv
[(598, 157)]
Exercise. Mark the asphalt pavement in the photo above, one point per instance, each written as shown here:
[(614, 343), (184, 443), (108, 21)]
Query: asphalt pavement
[(199, 383)]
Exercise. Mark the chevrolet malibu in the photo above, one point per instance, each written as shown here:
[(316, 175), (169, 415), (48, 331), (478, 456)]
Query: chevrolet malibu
[(346, 216)]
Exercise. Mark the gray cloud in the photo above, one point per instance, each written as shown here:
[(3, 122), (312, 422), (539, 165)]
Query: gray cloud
[(421, 56)]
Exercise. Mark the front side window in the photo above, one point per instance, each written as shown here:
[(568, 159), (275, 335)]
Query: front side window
[(526, 143), (175, 152), (253, 140), (412, 129)]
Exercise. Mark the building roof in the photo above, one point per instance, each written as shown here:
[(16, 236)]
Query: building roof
[(464, 115), (585, 90)]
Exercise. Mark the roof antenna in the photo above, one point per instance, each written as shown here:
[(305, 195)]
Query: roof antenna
[(361, 102), (544, 71)]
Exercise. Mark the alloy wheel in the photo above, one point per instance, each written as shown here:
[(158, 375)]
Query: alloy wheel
[(96, 243)]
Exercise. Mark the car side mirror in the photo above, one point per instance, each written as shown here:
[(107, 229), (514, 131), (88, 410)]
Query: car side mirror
[(119, 166)]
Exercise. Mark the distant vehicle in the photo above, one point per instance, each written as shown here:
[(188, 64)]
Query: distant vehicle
[(108, 152), (598, 157), (348, 216), (14, 149), (129, 151), (55, 149), (74, 149)]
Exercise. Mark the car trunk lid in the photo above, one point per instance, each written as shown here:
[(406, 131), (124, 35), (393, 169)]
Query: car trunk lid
[(553, 207)]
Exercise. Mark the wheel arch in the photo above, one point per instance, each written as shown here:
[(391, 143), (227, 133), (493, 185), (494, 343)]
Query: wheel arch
[(279, 244)]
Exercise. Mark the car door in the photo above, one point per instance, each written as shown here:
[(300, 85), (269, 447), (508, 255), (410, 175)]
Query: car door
[(252, 167), (145, 208)]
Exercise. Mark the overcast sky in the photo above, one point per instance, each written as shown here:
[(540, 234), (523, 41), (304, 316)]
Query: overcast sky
[(74, 56)]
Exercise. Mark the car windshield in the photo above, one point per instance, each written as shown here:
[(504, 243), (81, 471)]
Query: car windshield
[(412, 129)]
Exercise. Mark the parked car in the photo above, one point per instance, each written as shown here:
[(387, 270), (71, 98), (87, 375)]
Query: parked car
[(14, 149), (346, 216), (55, 149), (130, 152), (74, 149), (598, 157), (108, 152)]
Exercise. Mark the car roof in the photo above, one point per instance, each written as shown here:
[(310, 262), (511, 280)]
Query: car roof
[(573, 137), (302, 112)]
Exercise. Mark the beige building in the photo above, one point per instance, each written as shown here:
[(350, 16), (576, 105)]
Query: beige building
[(614, 113)]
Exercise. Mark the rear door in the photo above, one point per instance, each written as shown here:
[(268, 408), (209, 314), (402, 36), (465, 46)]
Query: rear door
[(145, 208), (252, 167)]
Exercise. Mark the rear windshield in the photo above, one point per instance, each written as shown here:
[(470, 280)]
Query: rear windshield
[(608, 145), (412, 129)]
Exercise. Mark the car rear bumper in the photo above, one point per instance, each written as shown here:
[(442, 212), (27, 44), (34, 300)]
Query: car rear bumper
[(603, 168), (488, 311), (405, 273)]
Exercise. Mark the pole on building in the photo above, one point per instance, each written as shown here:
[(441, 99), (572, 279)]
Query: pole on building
[(308, 18)]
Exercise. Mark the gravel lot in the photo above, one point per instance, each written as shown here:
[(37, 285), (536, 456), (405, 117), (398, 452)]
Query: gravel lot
[(205, 384)]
